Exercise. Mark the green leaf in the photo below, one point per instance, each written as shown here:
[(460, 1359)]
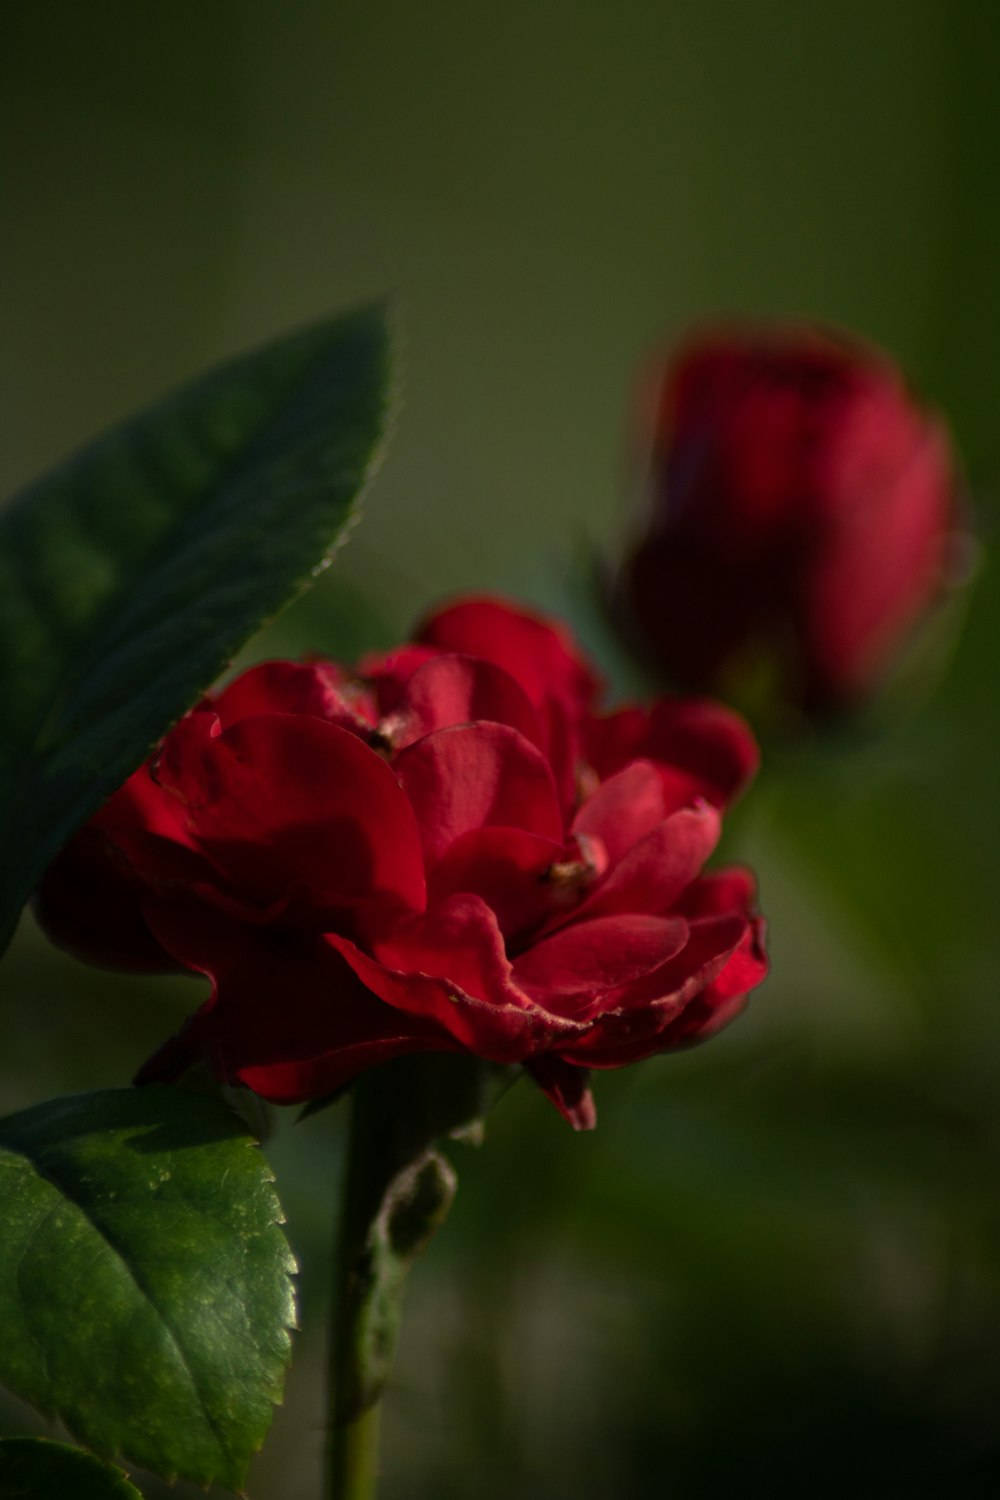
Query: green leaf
[(144, 1280), (36, 1469), (132, 575)]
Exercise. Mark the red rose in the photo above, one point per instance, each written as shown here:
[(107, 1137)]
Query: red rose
[(444, 850), (803, 504)]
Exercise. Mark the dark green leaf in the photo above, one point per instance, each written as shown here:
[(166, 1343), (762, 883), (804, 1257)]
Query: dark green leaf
[(144, 1280), (130, 577), (35, 1469)]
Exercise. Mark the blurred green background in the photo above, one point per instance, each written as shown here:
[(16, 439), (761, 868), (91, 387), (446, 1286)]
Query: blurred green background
[(774, 1269)]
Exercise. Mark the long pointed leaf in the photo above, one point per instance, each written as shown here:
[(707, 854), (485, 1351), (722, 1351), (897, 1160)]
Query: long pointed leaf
[(132, 575)]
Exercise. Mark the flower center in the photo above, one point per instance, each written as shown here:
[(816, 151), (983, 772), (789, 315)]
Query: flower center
[(570, 878)]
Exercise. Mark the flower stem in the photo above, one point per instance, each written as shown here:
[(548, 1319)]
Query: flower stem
[(352, 1443), (353, 1458), (396, 1192)]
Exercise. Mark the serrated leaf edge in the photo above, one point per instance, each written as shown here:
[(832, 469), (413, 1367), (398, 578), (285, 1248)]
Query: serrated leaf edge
[(275, 1394)]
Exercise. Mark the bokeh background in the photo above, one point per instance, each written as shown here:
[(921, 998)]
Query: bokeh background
[(774, 1269)]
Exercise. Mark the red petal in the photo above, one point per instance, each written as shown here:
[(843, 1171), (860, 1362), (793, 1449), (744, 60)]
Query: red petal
[(299, 1079), (624, 808), (641, 1023), (507, 868), (731, 889), (451, 966), (653, 873), (148, 829), (141, 805), (723, 999), (746, 969), (538, 653), (460, 941), (285, 802), (320, 689), (566, 1085), (561, 726), (90, 903), (572, 970), (476, 776), (287, 1017), (613, 740), (706, 739), (451, 690), (725, 995), (388, 672), (886, 535), (706, 744)]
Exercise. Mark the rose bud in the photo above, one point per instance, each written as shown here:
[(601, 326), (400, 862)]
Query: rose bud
[(446, 849), (803, 517)]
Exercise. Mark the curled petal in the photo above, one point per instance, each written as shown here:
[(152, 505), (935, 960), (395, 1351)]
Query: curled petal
[(141, 804), (613, 740), (459, 939), (655, 871), (90, 903), (640, 1023), (451, 967), (320, 689), (508, 868), (449, 690), (289, 1019), (727, 890), (388, 672), (565, 1085), (707, 746), (624, 808), (539, 654), (573, 970), (477, 776), (708, 740), (745, 969), (713, 1004), (284, 802)]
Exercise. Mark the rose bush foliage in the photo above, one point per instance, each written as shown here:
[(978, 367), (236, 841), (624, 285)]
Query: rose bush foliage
[(803, 505), (446, 848)]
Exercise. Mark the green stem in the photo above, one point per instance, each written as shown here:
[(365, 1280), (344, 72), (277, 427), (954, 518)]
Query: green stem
[(396, 1192), (353, 1458), (352, 1446)]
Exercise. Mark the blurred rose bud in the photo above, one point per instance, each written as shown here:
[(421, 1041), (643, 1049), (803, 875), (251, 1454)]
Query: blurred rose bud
[(804, 517)]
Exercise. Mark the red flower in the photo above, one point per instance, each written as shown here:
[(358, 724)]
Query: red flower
[(803, 503), (447, 850)]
